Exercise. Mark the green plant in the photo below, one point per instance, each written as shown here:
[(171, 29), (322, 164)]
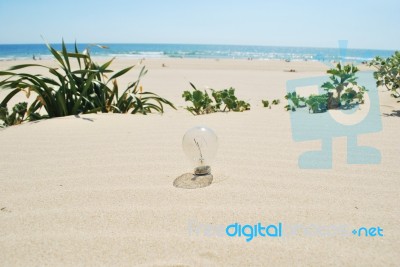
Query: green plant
[(388, 73), (202, 103), (317, 103), (227, 97), (222, 100), (276, 102), (351, 96), (342, 91), (294, 101), (342, 78), (360, 94), (266, 103), (348, 96), (86, 89), (16, 117), (241, 105)]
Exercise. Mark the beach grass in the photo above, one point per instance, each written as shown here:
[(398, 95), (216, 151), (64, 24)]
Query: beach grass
[(90, 88)]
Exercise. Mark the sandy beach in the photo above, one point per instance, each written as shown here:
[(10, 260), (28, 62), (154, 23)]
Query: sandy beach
[(98, 189)]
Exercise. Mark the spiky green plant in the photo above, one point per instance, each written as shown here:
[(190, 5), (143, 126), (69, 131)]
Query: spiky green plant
[(86, 89)]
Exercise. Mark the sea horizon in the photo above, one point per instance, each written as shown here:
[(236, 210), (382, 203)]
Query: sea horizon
[(212, 51)]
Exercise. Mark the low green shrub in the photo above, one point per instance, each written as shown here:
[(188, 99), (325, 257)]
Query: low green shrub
[(265, 103), (343, 80), (388, 73), (342, 91), (16, 117), (222, 100), (269, 105), (317, 103), (294, 101), (202, 103), (228, 98), (351, 96)]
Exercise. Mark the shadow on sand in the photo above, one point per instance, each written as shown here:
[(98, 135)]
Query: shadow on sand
[(395, 113)]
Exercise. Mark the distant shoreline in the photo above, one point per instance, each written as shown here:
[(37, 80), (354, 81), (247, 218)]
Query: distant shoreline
[(189, 44), (160, 51)]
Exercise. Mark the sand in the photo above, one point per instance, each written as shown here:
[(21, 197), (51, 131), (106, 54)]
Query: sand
[(98, 189)]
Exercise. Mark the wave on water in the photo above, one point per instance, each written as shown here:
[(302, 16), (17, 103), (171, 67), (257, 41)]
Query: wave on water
[(29, 51)]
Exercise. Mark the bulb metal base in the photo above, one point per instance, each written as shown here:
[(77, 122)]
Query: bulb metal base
[(202, 170)]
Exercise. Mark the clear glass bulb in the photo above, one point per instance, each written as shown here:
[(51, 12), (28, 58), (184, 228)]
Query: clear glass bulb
[(200, 145)]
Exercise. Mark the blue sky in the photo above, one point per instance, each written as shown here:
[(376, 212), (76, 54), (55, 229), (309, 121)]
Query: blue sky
[(365, 24)]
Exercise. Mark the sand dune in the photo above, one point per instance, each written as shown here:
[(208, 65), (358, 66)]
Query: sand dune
[(97, 189)]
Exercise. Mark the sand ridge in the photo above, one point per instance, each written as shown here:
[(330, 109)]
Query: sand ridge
[(98, 189)]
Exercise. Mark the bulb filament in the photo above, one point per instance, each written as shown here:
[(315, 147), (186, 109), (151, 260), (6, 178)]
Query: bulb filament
[(198, 147)]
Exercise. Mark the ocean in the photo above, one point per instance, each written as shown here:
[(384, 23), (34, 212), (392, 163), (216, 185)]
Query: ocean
[(40, 51)]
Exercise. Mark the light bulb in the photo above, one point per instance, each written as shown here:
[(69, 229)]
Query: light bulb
[(200, 146)]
